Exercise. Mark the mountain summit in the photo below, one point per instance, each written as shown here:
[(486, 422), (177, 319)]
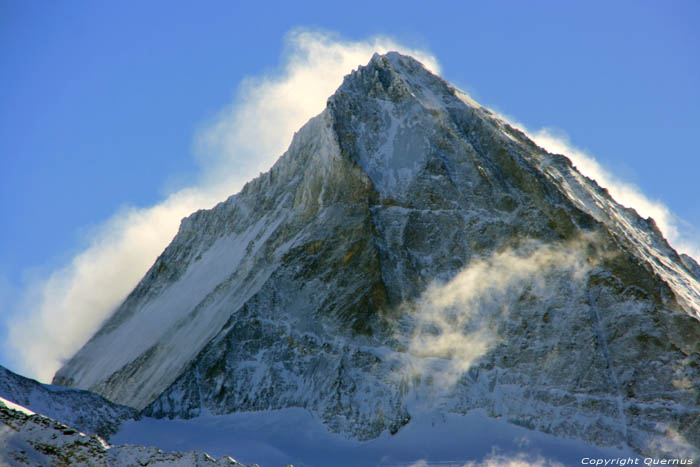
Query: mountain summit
[(413, 252)]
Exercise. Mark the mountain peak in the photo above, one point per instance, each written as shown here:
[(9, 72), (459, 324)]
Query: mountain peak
[(392, 115), (395, 62), (311, 287), (394, 76)]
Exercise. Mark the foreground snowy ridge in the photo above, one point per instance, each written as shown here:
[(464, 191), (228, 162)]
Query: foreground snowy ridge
[(30, 439), (82, 410), (412, 252)]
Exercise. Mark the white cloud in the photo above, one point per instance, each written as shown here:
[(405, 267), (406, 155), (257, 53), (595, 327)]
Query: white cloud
[(60, 312), (521, 459), (271, 108), (456, 322)]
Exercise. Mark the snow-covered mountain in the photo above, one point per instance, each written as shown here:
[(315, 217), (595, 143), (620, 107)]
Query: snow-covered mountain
[(412, 252)]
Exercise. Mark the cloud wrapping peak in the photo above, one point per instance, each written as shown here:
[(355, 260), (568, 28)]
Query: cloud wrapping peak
[(61, 311), (271, 108)]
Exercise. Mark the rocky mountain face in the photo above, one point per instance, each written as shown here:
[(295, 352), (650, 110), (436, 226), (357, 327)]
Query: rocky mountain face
[(411, 251), (27, 438)]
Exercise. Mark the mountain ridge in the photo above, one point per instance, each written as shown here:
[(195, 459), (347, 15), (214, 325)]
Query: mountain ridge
[(83, 410), (30, 438), (305, 289)]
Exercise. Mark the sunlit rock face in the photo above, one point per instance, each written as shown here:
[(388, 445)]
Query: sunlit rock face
[(412, 252)]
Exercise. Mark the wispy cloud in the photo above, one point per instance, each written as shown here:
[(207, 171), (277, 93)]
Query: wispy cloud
[(521, 459), (63, 309), (457, 322), (270, 108)]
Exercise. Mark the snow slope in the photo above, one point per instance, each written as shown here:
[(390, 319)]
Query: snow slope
[(294, 436), (83, 410)]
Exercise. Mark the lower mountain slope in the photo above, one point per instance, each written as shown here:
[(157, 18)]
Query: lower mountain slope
[(411, 252)]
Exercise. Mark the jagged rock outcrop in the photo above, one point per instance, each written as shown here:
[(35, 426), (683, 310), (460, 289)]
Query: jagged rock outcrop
[(411, 249)]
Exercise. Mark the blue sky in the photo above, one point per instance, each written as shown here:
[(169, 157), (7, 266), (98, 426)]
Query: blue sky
[(101, 102)]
